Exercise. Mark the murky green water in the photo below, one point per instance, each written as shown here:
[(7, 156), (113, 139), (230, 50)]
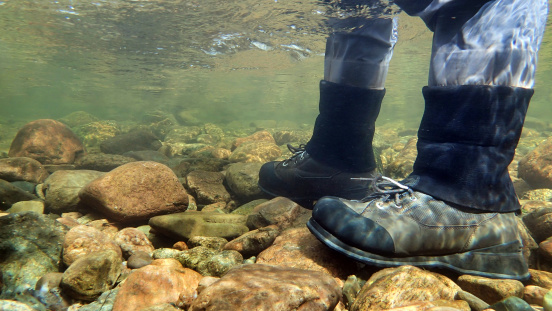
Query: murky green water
[(220, 61)]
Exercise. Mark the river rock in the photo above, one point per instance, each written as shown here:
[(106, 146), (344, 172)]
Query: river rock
[(539, 223), (264, 287), (92, 274), (103, 303), (279, 211), (132, 240), (540, 278), (136, 191), (243, 179), (511, 304), (538, 195), (12, 305), (402, 164), (27, 206), (11, 194), (102, 162), (255, 152), (218, 264), (216, 243), (534, 294), (132, 141), (22, 168), (207, 187), (396, 287), (536, 167), (255, 137), (147, 155), (191, 258), (61, 189), (436, 305), (47, 141), (183, 226), (84, 240), (490, 290), (138, 260), (298, 248), (155, 284), (254, 242), (30, 247)]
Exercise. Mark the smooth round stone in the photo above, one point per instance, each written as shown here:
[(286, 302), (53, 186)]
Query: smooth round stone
[(512, 304)]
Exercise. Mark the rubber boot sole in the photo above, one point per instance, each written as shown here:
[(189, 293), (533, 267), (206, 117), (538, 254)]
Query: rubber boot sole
[(503, 261)]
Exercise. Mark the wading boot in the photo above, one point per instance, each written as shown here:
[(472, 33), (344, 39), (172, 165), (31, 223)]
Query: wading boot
[(338, 160), (457, 209)]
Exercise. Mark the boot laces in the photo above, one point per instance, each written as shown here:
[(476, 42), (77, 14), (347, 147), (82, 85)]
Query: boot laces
[(298, 154), (388, 190)]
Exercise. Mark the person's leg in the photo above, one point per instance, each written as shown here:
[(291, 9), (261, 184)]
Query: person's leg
[(456, 210), (340, 149)]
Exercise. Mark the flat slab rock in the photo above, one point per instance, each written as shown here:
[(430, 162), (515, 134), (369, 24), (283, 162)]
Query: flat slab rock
[(265, 287)]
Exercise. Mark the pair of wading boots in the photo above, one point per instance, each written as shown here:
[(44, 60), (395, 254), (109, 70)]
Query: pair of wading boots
[(457, 208)]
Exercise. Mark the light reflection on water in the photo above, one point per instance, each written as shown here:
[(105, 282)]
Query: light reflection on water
[(224, 60)]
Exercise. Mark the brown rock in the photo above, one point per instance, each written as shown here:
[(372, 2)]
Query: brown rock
[(136, 191), (396, 287), (92, 274), (47, 141), (540, 278), (254, 242), (437, 305), (279, 211), (255, 152), (180, 245), (109, 228), (257, 136), (490, 290), (132, 240), (298, 248), (156, 284), (21, 168), (539, 223), (207, 187), (83, 240), (102, 162), (534, 295), (243, 179), (138, 260), (536, 167), (264, 287)]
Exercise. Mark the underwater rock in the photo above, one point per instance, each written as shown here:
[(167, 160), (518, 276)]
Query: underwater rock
[(215, 243), (132, 240), (536, 167), (248, 207), (207, 187), (91, 275), (218, 264), (84, 240), (255, 152), (538, 195), (529, 246), (192, 258), (22, 168), (136, 191), (102, 162), (12, 305), (254, 242), (243, 179), (30, 247), (94, 133), (534, 294), (286, 137), (279, 211), (147, 155), (47, 141), (103, 303), (78, 118), (298, 248), (139, 259), (396, 287), (27, 206), (131, 141), (540, 278), (255, 137), (184, 134), (402, 164), (539, 223), (490, 290), (155, 284), (183, 226), (61, 189), (11, 194), (511, 304), (262, 287)]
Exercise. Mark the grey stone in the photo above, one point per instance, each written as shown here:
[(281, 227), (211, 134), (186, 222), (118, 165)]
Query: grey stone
[(101, 162), (207, 187), (61, 189), (138, 260), (11, 194), (103, 303), (183, 226), (511, 304), (30, 247), (131, 141), (279, 211), (218, 264), (476, 304), (243, 179)]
